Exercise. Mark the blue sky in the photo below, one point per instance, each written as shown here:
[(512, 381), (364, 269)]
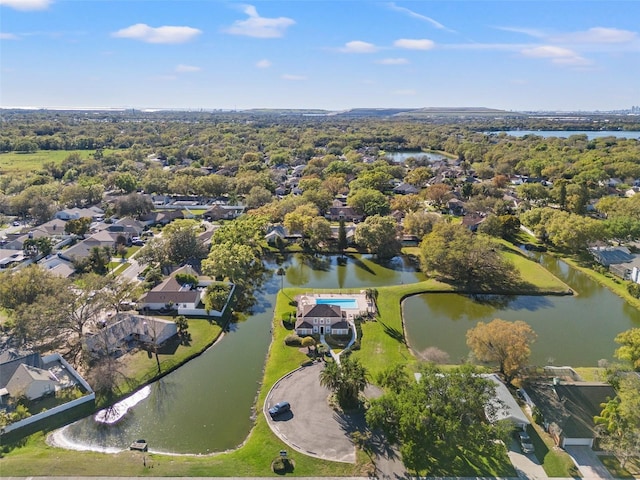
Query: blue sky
[(514, 55)]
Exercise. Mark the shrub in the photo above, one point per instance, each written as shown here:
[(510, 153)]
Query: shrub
[(293, 340), (634, 290)]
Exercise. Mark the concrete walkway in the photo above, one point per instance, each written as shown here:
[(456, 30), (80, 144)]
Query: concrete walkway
[(334, 355)]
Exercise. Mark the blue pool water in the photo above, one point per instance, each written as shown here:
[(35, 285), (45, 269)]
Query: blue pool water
[(345, 303)]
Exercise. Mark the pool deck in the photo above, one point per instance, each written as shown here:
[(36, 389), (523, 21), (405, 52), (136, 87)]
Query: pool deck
[(363, 305)]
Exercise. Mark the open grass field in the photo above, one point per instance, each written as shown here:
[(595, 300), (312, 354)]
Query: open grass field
[(13, 162)]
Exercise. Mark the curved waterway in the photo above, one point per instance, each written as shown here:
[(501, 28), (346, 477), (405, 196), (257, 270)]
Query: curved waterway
[(574, 330), (207, 404)]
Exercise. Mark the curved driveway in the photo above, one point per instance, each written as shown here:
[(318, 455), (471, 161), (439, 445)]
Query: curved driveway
[(311, 427)]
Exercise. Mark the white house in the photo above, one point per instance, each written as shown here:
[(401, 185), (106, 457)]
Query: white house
[(130, 328), (32, 382), (322, 319)]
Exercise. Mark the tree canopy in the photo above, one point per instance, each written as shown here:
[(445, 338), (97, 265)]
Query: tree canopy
[(441, 417), (506, 343), (455, 254)]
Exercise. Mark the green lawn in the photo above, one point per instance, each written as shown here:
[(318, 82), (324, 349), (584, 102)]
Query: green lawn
[(140, 369), (612, 464), (556, 462), (12, 162)]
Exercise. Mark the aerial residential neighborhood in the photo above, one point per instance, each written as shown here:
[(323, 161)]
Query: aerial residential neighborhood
[(360, 240)]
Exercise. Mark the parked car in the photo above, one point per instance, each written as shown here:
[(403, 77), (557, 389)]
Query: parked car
[(525, 442), (279, 408), (16, 223)]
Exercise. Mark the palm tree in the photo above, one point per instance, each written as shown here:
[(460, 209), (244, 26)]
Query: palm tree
[(371, 294), (346, 380)]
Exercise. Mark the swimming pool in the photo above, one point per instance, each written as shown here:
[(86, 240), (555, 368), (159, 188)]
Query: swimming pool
[(346, 303)]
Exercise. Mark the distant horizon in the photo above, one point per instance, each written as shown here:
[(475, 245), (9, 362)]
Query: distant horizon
[(529, 55), (627, 110)]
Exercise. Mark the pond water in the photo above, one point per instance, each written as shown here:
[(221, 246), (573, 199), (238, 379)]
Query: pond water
[(567, 133), (206, 405), (572, 330), (400, 157)]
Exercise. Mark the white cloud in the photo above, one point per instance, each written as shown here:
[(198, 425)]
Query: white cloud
[(26, 5), (419, 16), (598, 35), (393, 61), (165, 34), (414, 44), (557, 55), (358, 46), (264, 63), (532, 32), (407, 91), (293, 78), (260, 27), (8, 36), (187, 68)]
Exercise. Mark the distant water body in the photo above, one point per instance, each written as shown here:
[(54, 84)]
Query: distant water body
[(567, 133)]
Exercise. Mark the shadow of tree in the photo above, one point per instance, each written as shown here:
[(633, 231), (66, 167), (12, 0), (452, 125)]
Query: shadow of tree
[(392, 332), (360, 264)]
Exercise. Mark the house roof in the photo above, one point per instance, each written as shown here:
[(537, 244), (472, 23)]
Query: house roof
[(171, 291), (342, 324), (113, 335), (24, 376), (571, 406), (503, 405), (12, 358), (612, 255), (321, 310)]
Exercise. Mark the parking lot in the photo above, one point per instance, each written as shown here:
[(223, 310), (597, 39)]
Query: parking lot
[(311, 426)]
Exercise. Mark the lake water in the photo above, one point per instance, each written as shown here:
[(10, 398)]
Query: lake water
[(206, 405), (572, 330), (401, 157), (567, 133)]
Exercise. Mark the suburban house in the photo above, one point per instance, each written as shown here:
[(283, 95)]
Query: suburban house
[(223, 212), (274, 233), (350, 231), (405, 189), (606, 255), (163, 217), (11, 359), (9, 258), (504, 406), (129, 330), (322, 319), (620, 260), (568, 409), (338, 211), (94, 213), (170, 294), (455, 206), (473, 221), (82, 249), (32, 382), (26, 373)]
